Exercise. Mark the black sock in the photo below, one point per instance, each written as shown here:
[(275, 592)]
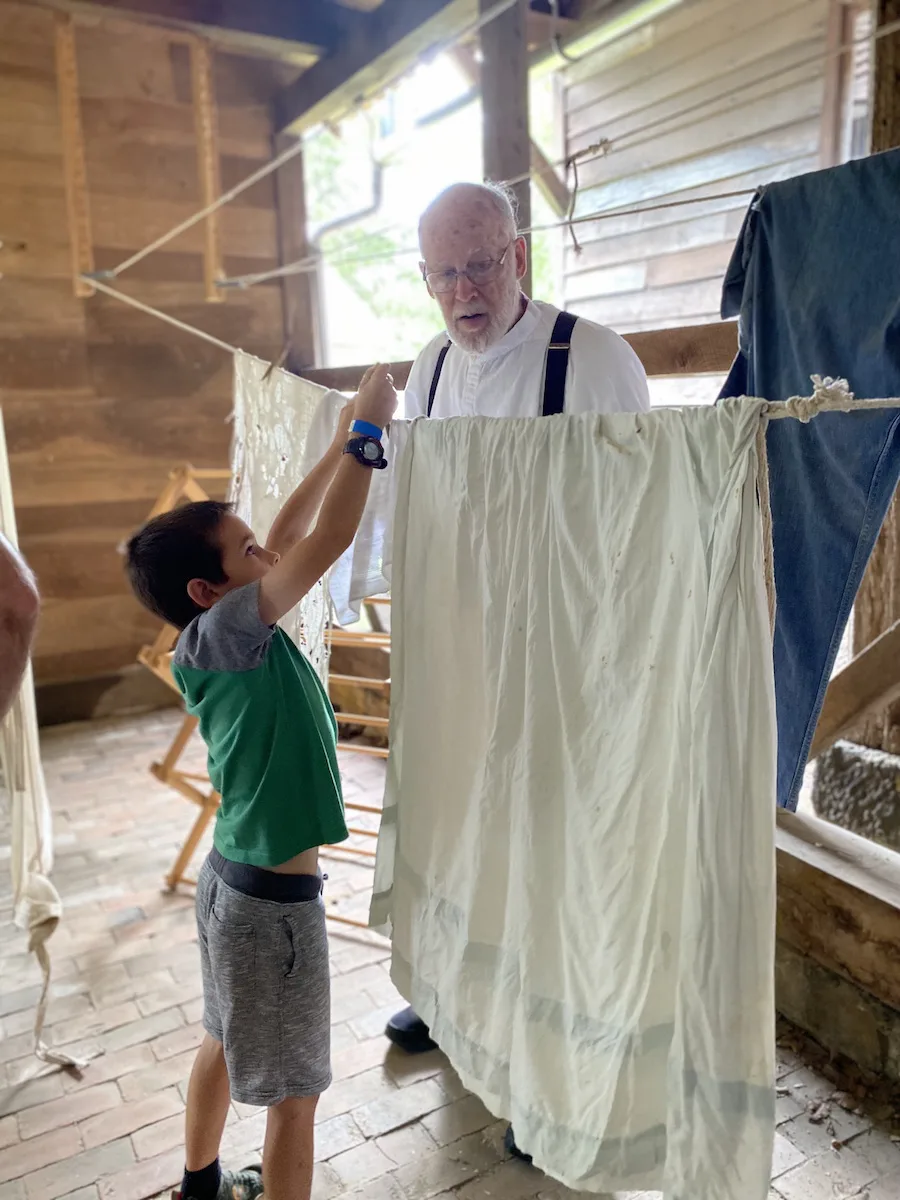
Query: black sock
[(202, 1185)]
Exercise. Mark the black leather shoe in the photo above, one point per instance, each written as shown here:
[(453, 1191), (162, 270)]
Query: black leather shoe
[(509, 1143), (409, 1032)]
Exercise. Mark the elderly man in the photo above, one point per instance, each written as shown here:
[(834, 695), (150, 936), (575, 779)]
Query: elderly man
[(502, 355), (18, 617)]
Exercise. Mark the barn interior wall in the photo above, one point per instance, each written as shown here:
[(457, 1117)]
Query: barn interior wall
[(713, 97), (100, 401)]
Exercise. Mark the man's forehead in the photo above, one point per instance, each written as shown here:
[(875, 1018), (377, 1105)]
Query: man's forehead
[(462, 224)]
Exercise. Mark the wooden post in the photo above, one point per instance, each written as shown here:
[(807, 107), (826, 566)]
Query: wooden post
[(554, 189), (300, 293), (838, 81), (204, 96), (878, 602), (77, 203), (504, 97)]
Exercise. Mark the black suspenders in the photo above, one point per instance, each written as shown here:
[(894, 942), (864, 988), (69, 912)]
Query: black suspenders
[(436, 379), (557, 364), (555, 367)]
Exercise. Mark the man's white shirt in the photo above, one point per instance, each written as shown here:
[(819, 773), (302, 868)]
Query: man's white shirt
[(507, 380), (604, 376)]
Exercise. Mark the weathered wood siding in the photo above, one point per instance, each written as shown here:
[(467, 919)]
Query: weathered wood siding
[(714, 97), (100, 401)]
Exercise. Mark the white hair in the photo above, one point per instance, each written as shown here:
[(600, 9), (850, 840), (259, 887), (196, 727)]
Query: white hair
[(505, 201)]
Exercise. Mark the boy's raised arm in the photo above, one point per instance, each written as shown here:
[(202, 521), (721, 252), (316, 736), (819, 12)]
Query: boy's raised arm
[(299, 510), (305, 561)]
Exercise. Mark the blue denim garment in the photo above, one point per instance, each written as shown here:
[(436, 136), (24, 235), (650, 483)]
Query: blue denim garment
[(815, 279)]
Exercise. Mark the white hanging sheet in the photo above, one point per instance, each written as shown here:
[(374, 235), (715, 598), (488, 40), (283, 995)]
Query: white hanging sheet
[(359, 572), (273, 419), (576, 860), (37, 908)]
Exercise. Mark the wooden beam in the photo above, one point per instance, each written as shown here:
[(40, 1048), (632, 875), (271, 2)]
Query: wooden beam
[(74, 170), (205, 125), (300, 293), (690, 350), (297, 32), (505, 139), (866, 685), (554, 189), (886, 102), (396, 36), (839, 902), (838, 75)]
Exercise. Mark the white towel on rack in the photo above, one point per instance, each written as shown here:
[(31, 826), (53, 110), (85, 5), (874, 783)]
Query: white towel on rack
[(576, 859)]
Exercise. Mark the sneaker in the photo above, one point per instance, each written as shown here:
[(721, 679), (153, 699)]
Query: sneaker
[(236, 1185)]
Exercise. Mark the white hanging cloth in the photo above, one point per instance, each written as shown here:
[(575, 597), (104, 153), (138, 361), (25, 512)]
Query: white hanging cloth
[(576, 860), (274, 413), (37, 908)]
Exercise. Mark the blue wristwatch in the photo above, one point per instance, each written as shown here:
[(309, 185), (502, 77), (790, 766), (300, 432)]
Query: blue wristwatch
[(368, 451)]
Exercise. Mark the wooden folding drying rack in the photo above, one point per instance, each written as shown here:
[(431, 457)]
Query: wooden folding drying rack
[(184, 485)]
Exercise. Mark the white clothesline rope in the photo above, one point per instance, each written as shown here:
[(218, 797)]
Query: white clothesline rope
[(310, 262), (273, 165), (595, 150), (609, 146), (828, 395), (159, 314)]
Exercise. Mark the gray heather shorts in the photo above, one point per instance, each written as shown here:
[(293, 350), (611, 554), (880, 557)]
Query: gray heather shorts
[(266, 989)]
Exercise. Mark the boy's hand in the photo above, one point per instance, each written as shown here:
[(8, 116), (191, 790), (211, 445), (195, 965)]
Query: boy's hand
[(376, 400)]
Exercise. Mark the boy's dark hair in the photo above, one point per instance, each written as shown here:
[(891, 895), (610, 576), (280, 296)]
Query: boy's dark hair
[(171, 550)]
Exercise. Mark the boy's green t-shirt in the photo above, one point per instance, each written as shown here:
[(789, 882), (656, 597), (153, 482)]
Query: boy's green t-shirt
[(269, 730)]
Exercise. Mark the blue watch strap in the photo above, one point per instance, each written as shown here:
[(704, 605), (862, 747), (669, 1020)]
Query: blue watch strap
[(367, 429)]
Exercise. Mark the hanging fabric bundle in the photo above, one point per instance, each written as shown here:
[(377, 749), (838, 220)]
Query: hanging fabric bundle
[(37, 908), (576, 861)]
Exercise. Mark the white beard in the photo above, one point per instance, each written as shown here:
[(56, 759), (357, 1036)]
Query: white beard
[(499, 325)]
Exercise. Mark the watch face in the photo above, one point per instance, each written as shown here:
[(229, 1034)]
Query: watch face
[(371, 451)]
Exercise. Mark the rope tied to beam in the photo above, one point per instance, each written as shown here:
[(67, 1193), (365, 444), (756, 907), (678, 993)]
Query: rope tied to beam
[(828, 395)]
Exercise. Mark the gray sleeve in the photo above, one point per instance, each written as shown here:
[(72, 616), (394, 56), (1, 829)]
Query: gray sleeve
[(230, 636)]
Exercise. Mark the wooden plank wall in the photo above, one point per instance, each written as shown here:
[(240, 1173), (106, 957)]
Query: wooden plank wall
[(665, 268), (99, 400)]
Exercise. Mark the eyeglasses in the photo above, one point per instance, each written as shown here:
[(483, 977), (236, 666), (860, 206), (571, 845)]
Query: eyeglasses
[(484, 270)]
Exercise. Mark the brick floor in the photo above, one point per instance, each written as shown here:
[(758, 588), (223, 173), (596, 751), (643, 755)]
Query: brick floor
[(127, 990)]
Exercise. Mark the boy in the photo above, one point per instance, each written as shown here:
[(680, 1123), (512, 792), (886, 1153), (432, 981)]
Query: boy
[(271, 737)]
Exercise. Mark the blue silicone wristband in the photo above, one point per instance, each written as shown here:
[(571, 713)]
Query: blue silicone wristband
[(367, 429)]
